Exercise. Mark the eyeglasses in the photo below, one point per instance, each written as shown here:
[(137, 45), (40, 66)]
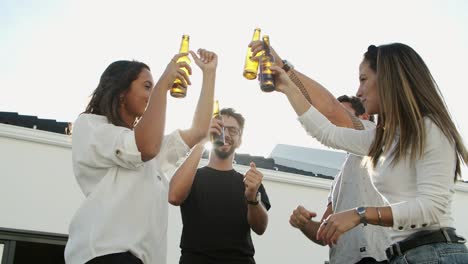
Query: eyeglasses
[(233, 131)]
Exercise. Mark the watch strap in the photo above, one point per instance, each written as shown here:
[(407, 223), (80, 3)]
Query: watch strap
[(257, 200)]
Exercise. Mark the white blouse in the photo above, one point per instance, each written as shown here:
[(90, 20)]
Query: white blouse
[(420, 194), (126, 206)]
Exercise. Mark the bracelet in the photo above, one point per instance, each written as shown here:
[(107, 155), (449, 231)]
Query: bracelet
[(252, 202), (379, 215)]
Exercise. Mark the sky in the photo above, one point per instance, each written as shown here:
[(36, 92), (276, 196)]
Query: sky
[(53, 52)]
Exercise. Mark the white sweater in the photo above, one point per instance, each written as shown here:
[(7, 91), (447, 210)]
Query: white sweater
[(126, 205), (420, 194)]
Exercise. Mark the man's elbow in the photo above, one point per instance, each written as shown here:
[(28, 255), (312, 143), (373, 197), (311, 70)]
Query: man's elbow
[(174, 199), (260, 231)]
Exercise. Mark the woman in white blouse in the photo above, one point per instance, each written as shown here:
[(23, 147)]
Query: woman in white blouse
[(414, 155), (121, 160)]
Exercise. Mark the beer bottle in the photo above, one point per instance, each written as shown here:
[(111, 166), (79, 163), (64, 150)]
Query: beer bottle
[(177, 89), (217, 140), (267, 80), (251, 66)]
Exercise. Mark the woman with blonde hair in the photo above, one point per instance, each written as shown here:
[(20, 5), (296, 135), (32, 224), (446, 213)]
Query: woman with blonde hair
[(414, 155)]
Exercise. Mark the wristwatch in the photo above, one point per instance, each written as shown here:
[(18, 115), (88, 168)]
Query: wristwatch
[(287, 66), (257, 199), (361, 211)]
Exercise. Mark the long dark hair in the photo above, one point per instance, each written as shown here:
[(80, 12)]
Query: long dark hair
[(407, 94), (116, 79)]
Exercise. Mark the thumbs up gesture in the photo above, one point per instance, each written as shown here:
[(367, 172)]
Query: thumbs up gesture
[(252, 181)]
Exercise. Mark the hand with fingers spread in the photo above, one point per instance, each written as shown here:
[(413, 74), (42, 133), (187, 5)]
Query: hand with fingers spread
[(252, 181), (301, 217), (337, 224), (206, 60), (174, 71)]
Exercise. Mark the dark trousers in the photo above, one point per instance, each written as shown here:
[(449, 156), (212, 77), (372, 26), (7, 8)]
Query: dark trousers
[(370, 261), (116, 258), (198, 258)]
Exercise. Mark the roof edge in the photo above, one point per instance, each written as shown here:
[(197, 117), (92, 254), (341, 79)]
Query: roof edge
[(34, 135)]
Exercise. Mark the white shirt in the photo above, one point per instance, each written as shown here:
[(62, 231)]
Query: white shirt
[(351, 188), (420, 194), (126, 205)]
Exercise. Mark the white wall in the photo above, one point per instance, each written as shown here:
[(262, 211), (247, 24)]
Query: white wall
[(37, 186), (38, 192)]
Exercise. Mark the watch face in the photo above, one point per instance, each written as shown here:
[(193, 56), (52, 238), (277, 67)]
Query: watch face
[(287, 66), (362, 214), (361, 210)]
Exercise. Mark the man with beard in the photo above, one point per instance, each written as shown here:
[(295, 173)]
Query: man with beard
[(219, 205)]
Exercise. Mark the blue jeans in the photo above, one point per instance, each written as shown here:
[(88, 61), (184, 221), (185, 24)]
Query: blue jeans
[(437, 253)]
